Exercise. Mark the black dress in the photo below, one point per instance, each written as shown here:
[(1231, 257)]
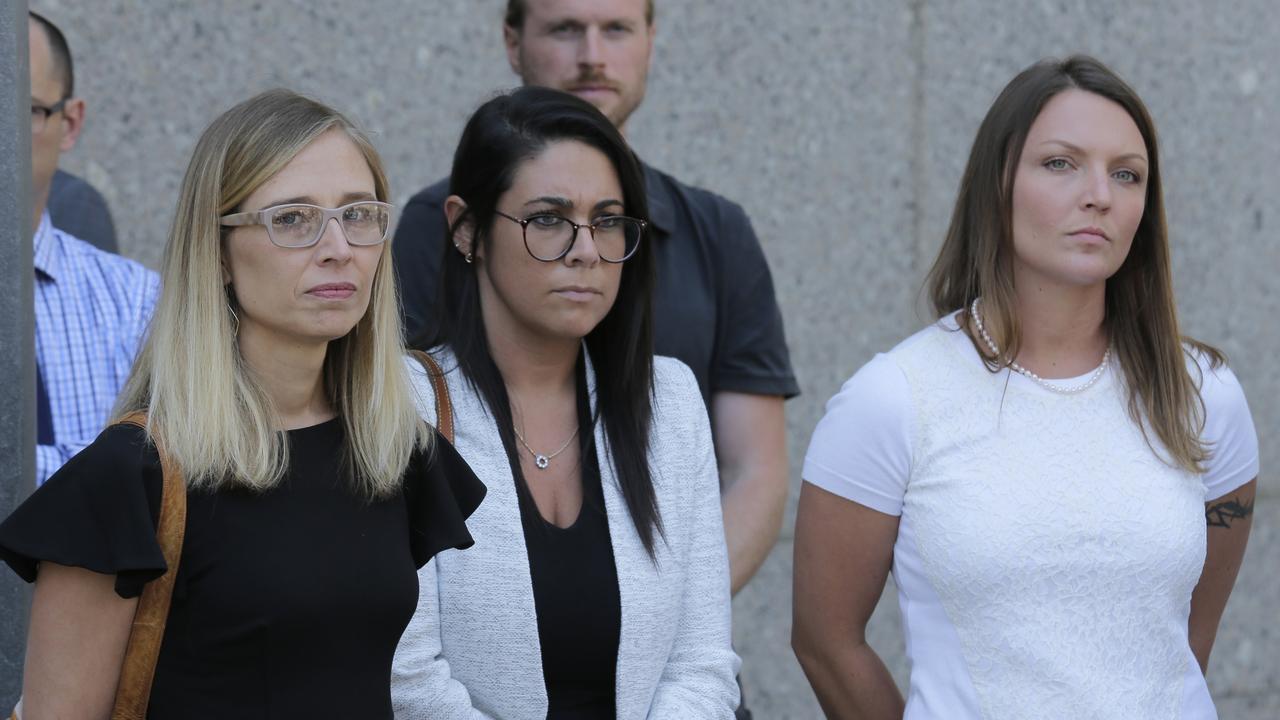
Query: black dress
[(288, 603)]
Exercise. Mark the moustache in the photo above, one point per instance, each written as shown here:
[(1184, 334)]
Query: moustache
[(591, 79)]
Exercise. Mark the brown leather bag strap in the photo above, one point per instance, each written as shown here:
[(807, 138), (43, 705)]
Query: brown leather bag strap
[(134, 690), (444, 406)]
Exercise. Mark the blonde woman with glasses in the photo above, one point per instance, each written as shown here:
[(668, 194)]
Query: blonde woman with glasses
[(273, 378)]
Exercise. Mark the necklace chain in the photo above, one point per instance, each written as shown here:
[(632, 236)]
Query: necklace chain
[(1013, 364), (543, 461)]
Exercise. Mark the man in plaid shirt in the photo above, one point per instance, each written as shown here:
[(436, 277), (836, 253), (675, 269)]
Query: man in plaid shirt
[(91, 307)]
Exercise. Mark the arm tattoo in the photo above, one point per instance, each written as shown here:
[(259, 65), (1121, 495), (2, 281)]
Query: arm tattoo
[(1224, 513)]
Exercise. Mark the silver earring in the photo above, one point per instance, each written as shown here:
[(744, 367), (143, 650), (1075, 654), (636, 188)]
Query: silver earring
[(469, 258), (235, 321)]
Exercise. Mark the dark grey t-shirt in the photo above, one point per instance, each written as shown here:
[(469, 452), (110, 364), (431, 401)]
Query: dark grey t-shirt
[(714, 304), (77, 208)]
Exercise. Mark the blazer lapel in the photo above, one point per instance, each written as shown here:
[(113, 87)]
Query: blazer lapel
[(637, 671)]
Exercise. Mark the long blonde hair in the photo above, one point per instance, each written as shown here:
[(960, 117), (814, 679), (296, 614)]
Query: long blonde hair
[(976, 260), (203, 402)]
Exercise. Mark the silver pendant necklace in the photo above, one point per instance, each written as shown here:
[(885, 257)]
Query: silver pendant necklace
[(543, 461), (1013, 364)]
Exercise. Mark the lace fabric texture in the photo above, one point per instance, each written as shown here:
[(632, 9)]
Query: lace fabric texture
[(1063, 550)]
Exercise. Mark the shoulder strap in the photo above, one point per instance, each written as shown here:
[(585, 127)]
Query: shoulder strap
[(444, 406), (134, 690)]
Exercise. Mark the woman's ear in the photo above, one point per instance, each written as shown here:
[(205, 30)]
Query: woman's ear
[(462, 226)]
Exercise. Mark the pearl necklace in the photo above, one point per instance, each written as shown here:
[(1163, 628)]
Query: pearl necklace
[(1013, 364), (542, 461)]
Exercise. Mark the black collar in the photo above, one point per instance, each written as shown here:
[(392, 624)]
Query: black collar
[(662, 211)]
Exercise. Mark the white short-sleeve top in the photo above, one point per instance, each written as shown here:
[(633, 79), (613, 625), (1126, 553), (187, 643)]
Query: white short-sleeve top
[(1045, 555)]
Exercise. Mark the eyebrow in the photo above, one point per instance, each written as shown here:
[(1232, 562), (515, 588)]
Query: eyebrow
[(566, 203), (1079, 150), (576, 23), (309, 200)]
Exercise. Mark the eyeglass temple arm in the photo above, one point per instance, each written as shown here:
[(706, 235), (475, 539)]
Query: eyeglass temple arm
[(257, 217)]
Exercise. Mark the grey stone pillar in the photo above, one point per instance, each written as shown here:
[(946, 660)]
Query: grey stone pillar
[(17, 356)]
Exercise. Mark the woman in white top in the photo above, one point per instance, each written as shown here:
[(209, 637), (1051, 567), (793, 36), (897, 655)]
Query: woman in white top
[(599, 582), (1036, 468)]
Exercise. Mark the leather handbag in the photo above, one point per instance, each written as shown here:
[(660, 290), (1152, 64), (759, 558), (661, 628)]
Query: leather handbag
[(444, 406), (133, 691)]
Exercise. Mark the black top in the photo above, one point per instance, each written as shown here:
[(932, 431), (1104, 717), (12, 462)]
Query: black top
[(714, 303), (288, 603), (575, 595)]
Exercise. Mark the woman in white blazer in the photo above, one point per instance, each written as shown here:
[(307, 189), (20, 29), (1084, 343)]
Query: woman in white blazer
[(598, 586)]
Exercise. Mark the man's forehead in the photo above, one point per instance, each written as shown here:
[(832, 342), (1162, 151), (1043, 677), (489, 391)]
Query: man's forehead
[(585, 10), (41, 58)]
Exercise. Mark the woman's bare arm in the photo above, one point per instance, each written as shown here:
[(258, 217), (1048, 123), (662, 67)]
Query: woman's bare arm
[(1230, 518), (843, 554), (76, 644)]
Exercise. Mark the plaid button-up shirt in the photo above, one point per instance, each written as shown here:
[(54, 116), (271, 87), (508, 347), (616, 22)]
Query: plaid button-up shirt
[(92, 310)]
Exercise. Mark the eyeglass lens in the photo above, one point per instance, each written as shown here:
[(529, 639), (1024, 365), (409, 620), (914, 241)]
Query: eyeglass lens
[(302, 225), (550, 236), (39, 116)]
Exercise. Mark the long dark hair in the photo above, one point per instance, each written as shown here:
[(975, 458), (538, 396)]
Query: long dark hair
[(502, 134), (976, 259)]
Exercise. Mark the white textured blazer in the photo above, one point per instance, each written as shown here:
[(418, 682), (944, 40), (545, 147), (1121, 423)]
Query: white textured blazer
[(472, 651)]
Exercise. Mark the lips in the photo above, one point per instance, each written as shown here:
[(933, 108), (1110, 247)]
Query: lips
[(577, 293), (333, 291), (588, 84), (1090, 233)]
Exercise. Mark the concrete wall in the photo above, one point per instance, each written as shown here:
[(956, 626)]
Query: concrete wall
[(842, 126), (17, 366)]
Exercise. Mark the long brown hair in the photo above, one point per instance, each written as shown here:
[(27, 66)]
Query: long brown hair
[(976, 260)]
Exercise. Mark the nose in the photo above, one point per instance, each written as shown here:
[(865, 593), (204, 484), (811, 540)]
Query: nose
[(333, 243), (1097, 192), (589, 50), (584, 250)]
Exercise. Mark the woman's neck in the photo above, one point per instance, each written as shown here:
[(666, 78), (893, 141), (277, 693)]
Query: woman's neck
[(534, 367), (291, 374), (1063, 333)]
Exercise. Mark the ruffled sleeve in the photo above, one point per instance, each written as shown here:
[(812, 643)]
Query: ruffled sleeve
[(98, 512), (441, 492)]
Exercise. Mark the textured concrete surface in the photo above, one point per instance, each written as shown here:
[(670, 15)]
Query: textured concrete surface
[(17, 374), (841, 125)]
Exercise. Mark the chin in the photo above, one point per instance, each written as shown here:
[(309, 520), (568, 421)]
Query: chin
[(573, 328), (334, 332)]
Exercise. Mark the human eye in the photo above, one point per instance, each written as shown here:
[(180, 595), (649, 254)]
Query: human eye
[(357, 213), (617, 28), (545, 220), (289, 217), (565, 29), (610, 222), (1128, 177), (1057, 163)]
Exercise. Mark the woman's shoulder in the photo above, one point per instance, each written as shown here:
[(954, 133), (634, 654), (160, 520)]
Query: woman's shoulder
[(677, 399), (441, 492), (97, 512), (925, 340), (1211, 373), (1220, 390), (671, 375), (1228, 431), (122, 452)]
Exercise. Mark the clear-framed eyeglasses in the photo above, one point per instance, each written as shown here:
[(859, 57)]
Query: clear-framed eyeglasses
[(299, 225), (40, 114), (549, 237)]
